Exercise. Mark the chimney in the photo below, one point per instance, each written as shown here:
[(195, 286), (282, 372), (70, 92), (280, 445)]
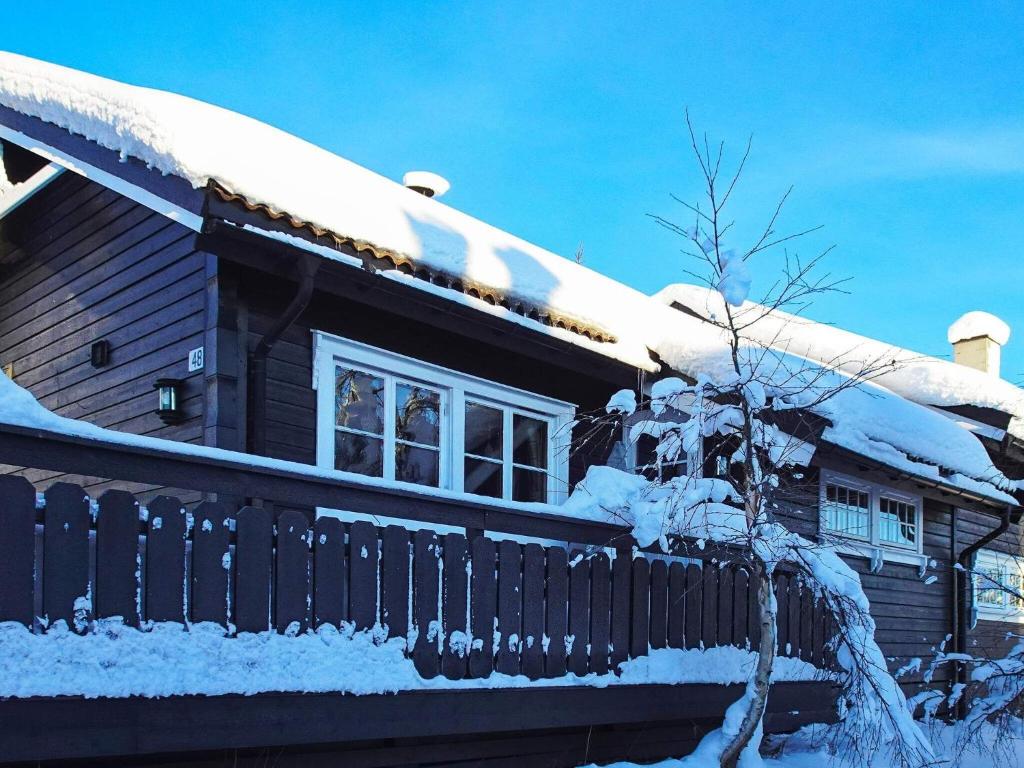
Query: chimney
[(977, 339), (426, 183)]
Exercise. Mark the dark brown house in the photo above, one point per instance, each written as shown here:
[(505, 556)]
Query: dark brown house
[(442, 364)]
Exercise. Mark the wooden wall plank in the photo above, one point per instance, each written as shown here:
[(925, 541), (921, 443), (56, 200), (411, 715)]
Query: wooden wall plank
[(254, 549), (17, 548), (165, 560), (65, 553), (117, 556), (210, 564)]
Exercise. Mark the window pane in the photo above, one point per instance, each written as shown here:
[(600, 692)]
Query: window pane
[(846, 511), (483, 431), (989, 583), (529, 485), (529, 441), (483, 477), (416, 465), (358, 453), (897, 522), (359, 400), (417, 414)]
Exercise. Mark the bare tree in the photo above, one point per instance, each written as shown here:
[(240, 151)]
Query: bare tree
[(748, 413)]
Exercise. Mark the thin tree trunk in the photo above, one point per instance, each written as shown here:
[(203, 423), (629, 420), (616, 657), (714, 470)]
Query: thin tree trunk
[(763, 673)]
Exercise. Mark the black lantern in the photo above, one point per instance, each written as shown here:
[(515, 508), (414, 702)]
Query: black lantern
[(168, 405)]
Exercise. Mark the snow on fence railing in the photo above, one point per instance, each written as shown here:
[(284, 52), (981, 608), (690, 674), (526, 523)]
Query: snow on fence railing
[(467, 607)]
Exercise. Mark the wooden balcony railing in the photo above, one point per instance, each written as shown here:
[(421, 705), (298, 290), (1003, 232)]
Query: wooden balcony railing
[(471, 604)]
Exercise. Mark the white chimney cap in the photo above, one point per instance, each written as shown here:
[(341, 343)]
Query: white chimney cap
[(974, 325), (427, 183)]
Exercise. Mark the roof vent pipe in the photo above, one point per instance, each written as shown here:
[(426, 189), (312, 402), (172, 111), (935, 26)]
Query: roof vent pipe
[(426, 183), (977, 338)]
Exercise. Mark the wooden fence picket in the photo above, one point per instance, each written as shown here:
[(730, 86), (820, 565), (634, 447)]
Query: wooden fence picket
[(709, 608), (659, 604), (639, 639), (291, 571), (677, 605), (427, 553), (510, 607), (600, 612), (483, 606), (394, 580), (17, 549), (622, 596), (454, 661), (66, 554), (117, 555), (165, 560), (254, 544), (533, 611), (211, 562), (724, 625), (579, 612), (556, 615), (694, 604), (330, 574)]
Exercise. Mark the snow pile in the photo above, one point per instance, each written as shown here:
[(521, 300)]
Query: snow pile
[(200, 142), (807, 749), (916, 377), (975, 324), (113, 660)]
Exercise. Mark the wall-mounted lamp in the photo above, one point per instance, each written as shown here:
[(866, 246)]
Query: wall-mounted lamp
[(99, 353), (169, 400)]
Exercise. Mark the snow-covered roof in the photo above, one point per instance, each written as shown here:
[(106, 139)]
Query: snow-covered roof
[(917, 377), (202, 143)]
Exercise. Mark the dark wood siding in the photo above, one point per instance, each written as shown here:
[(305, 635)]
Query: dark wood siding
[(81, 263)]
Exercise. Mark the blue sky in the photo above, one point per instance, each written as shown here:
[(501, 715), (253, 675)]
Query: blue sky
[(901, 128)]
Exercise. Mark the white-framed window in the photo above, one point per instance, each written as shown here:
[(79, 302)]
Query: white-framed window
[(999, 586), (870, 514), (385, 415)]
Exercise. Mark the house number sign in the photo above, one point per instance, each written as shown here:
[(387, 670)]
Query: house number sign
[(196, 360)]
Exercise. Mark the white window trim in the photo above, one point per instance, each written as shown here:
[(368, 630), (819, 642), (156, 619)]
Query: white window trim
[(987, 559), (456, 388), (21, 192), (872, 547)]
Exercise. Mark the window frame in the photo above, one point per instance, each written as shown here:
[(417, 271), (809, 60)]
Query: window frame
[(456, 387), (990, 559), (873, 545)]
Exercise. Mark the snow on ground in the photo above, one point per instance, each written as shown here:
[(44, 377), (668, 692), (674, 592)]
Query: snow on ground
[(804, 750), (113, 660)]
